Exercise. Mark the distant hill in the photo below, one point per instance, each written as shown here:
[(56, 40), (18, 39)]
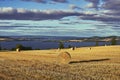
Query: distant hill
[(56, 38)]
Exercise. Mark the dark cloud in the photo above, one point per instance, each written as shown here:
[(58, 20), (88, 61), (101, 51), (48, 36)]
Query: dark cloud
[(28, 26), (109, 12), (113, 7), (70, 23), (61, 1), (102, 18), (111, 4), (22, 14), (107, 20), (38, 1), (45, 1)]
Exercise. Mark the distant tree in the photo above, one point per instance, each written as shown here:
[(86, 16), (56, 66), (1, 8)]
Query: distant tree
[(27, 48), (61, 45), (37, 49), (0, 47), (13, 49), (4, 49), (113, 41), (21, 47), (69, 46), (96, 43)]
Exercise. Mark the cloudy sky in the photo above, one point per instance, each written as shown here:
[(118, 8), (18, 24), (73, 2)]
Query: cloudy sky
[(83, 18)]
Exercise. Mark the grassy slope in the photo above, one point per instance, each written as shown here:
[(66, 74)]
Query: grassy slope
[(99, 63)]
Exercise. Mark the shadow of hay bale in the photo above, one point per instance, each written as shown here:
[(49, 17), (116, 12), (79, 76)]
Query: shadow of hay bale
[(64, 57), (87, 61)]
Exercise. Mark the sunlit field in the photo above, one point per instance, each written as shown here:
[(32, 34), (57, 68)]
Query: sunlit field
[(87, 63)]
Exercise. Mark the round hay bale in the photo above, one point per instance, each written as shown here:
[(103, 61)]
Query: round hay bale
[(64, 57)]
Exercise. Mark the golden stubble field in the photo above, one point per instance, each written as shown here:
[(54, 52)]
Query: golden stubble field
[(97, 63)]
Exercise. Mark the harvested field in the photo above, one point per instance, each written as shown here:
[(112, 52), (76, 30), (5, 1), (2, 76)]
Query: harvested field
[(97, 63)]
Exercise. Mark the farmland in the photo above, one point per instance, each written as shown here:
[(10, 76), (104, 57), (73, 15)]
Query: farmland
[(87, 63)]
